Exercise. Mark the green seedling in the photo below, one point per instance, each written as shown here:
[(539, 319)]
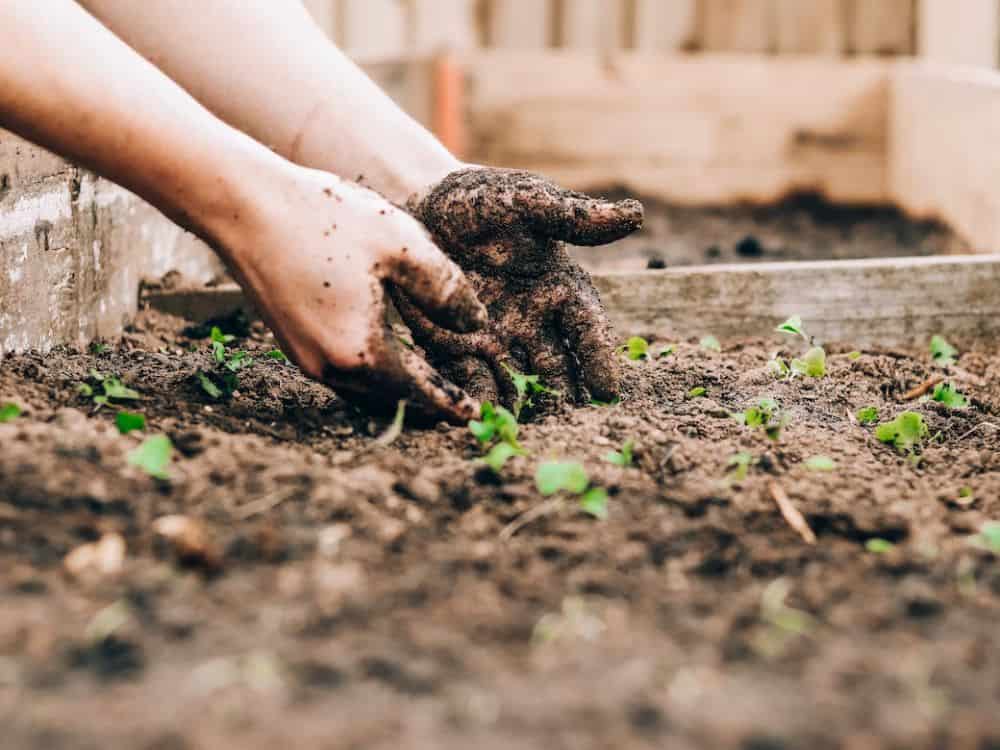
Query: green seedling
[(9, 412), (395, 429), (224, 382), (793, 326), (494, 423), (526, 386), (710, 343), (697, 392), (988, 537), (766, 415), (569, 476), (778, 367), (821, 463), (127, 422), (854, 356), (947, 394), (498, 456), (636, 348), (906, 432), (879, 546), (942, 352), (812, 364), (277, 354), (624, 457), (966, 497), (605, 404), (219, 341), (98, 348), (666, 351), (112, 389), (739, 466), (867, 415), (153, 456)]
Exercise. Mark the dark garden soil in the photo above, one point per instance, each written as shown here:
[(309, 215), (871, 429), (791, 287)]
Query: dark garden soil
[(329, 592), (803, 227)]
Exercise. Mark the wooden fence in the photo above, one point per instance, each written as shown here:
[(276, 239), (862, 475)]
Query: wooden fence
[(957, 31)]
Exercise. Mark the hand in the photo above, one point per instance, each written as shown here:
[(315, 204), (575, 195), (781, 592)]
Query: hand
[(314, 253), (505, 228)]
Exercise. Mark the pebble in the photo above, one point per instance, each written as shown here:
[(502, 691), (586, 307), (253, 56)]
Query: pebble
[(101, 559)]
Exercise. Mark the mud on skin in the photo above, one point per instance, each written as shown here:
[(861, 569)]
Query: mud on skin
[(506, 229)]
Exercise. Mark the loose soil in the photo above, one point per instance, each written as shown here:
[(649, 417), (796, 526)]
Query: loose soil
[(352, 595), (803, 227)]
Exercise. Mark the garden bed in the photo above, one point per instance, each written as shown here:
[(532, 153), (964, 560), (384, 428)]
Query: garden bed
[(338, 592)]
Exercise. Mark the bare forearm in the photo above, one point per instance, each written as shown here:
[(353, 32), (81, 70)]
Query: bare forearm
[(267, 69)]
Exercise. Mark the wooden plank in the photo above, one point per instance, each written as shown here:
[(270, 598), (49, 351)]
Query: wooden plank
[(704, 129), (881, 27), (814, 27), (968, 37), (373, 29), (737, 26), (665, 26), (944, 157), (889, 302), (437, 26), (520, 24), (591, 24)]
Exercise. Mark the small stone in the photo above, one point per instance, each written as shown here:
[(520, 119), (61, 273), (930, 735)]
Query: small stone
[(190, 542), (101, 559)]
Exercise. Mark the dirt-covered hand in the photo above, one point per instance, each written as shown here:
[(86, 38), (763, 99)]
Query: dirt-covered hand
[(315, 255), (506, 229)]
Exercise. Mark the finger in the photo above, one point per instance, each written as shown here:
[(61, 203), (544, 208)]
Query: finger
[(589, 333), (576, 218), (553, 366), (437, 285), (476, 376)]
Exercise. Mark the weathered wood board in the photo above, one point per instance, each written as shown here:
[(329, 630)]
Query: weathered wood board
[(890, 302), (692, 129)]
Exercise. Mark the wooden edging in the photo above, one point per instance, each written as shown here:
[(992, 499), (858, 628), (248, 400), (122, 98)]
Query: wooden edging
[(863, 302)]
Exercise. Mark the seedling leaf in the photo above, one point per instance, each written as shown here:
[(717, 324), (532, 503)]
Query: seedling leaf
[(812, 364), (127, 422), (988, 537), (208, 385), (495, 422), (9, 412), (905, 432), (526, 386), (778, 367), (942, 352), (499, 454), (115, 389), (666, 351), (740, 464), (947, 394), (853, 356), (879, 546), (623, 457), (595, 502), (153, 456), (277, 354), (821, 463), (697, 392), (555, 476), (218, 337), (396, 428), (710, 343), (793, 326), (636, 348), (867, 415)]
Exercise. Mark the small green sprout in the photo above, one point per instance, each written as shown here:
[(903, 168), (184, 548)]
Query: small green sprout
[(778, 367), (605, 404), (526, 386), (666, 351), (947, 394), (942, 352), (905, 432), (636, 348), (879, 546), (113, 389), (867, 415), (793, 326), (9, 412), (494, 423), (395, 428), (812, 364), (570, 476), (966, 497), (624, 457), (96, 347), (153, 456), (219, 341), (710, 343), (766, 415), (127, 421), (208, 385), (739, 466), (224, 382), (498, 456), (697, 392), (777, 613), (277, 354), (988, 537), (854, 356), (821, 463)]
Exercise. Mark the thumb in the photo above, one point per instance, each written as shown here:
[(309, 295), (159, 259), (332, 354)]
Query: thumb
[(437, 286), (579, 219)]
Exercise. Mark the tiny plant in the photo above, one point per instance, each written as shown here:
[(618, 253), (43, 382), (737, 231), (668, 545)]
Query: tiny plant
[(778, 367), (988, 537), (666, 351), (879, 546), (966, 497), (605, 404), (127, 422), (766, 415), (223, 382), (793, 326), (947, 394), (9, 412), (105, 389), (277, 354), (812, 364), (854, 356), (710, 343), (942, 352), (636, 348), (527, 387), (496, 427), (153, 456), (697, 392), (623, 457), (821, 463), (867, 415), (570, 476), (906, 432), (498, 456), (739, 466)]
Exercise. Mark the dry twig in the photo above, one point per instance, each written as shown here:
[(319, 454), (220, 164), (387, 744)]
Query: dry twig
[(790, 513), (924, 388)]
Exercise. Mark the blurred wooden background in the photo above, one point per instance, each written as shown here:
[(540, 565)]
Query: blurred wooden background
[(956, 31)]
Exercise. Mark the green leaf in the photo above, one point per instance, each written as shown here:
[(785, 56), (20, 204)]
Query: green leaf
[(555, 476), (853, 356), (879, 546), (867, 415), (740, 464), (966, 497), (697, 392), (208, 385), (988, 537), (115, 389), (710, 343), (9, 412), (947, 394), (499, 454), (98, 348), (85, 390), (494, 422), (605, 404), (95, 375), (127, 421), (595, 502), (821, 463), (778, 368), (526, 386), (623, 457), (793, 326), (812, 364), (278, 355), (240, 360), (905, 432), (666, 351), (942, 352), (636, 348), (153, 456), (219, 351), (218, 337)]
